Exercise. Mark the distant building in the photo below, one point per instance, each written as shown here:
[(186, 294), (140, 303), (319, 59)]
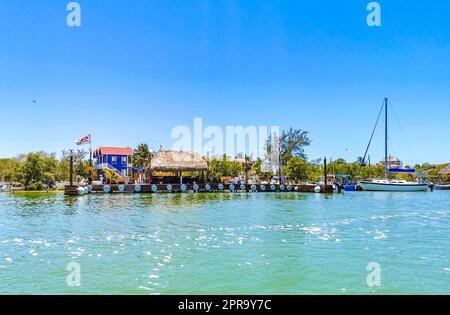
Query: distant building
[(113, 158), (393, 162)]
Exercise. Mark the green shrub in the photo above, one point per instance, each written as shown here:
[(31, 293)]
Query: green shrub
[(35, 186)]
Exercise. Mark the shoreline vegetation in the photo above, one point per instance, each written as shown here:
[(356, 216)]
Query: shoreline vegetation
[(37, 192), (40, 171)]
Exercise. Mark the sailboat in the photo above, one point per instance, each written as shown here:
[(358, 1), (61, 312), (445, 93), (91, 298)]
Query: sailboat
[(387, 184)]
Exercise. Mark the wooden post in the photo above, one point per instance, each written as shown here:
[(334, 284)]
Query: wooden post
[(386, 158), (71, 190), (208, 170), (279, 163), (325, 174), (71, 170)]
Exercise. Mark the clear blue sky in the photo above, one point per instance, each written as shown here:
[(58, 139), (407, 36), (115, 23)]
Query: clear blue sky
[(135, 69)]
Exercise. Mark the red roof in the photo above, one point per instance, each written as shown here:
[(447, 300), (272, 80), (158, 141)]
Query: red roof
[(113, 151)]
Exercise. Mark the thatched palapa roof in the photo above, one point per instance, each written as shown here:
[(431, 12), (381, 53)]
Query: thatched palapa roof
[(177, 161), (445, 171)]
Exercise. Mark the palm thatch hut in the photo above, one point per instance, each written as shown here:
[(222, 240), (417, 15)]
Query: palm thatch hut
[(177, 163), (445, 171)]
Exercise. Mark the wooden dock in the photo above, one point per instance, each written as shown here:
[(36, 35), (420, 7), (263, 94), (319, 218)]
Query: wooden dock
[(73, 190), (70, 190), (199, 188)]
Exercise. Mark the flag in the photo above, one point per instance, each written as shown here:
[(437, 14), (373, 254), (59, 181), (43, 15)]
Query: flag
[(84, 140)]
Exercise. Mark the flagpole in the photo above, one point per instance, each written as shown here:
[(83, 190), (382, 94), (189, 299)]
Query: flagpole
[(90, 159), (90, 150)]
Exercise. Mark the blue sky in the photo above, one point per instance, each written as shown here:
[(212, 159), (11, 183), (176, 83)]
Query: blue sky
[(136, 69)]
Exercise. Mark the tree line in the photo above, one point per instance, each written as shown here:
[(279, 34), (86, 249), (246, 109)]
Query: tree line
[(284, 154), (41, 170)]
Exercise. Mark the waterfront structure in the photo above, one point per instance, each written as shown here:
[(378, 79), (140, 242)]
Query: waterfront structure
[(165, 172), (393, 162), (167, 165), (445, 171), (118, 159)]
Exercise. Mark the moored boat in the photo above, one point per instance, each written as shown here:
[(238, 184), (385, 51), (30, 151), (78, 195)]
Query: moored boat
[(5, 187), (442, 187), (392, 185), (348, 183), (387, 184), (351, 187)]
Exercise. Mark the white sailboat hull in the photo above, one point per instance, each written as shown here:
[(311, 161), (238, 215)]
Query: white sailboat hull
[(392, 186)]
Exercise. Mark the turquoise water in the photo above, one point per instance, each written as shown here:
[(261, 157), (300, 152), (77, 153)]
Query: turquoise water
[(225, 243)]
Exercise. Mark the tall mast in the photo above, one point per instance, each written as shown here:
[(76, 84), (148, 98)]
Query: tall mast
[(386, 162)]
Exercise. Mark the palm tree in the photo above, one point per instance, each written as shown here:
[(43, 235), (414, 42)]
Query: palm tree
[(111, 174), (141, 155)]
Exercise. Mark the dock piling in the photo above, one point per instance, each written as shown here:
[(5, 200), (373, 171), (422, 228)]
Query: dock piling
[(71, 189)]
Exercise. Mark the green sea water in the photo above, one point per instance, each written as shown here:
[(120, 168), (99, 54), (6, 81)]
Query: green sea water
[(225, 243)]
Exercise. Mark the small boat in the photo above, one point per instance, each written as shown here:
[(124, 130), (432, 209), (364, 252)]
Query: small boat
[(351, 187), (4, 188), (442, 187), (387, 184), (347, 182)]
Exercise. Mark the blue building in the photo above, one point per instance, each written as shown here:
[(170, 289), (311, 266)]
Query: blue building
[(113, 158)]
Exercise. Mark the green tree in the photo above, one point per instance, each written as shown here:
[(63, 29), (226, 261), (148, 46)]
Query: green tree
[(141, 155), (373, 171), (234, 168), (8, 168), (292, 144), (37, 170), (296, 168), (80, 165), (279, 149), (224, 167), (314, 170), (32, 170), (257, 168), (340, 161)]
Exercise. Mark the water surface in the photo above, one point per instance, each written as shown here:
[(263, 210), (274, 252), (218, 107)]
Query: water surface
[(225, 243)]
